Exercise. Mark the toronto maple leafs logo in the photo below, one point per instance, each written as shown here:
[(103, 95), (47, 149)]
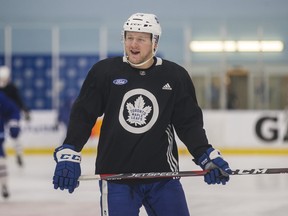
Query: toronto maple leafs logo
[(139, 111)]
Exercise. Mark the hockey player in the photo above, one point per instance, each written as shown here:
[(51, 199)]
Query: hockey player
[(144, 99), (7, 87), (10, 113)]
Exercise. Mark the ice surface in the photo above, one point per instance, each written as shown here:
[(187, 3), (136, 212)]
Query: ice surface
[(32, 192)]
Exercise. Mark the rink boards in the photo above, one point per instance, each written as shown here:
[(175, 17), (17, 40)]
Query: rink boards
[(234, 132)]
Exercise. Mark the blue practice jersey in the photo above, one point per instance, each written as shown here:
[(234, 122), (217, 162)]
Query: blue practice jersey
[(8, 111)]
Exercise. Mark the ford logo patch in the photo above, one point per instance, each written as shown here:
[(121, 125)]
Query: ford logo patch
[(120, 81)]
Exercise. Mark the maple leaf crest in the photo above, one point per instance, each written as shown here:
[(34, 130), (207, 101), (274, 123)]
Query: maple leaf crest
[(138, 112)]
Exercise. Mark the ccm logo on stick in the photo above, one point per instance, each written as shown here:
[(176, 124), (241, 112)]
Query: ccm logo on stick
[(251, 171)]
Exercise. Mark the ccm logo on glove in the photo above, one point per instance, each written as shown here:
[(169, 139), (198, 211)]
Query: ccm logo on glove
[(70, 157)]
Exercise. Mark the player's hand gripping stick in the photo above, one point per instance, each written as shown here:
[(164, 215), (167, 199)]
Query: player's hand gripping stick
[(67, 169), (219, 169)]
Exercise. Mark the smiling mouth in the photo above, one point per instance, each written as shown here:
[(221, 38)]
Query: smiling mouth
[(134, 52)]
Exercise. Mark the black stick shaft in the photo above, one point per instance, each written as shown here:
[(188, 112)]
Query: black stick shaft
[(111, 177)]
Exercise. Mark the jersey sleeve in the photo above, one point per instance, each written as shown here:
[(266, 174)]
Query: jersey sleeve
[(88, 106), (188, 118)]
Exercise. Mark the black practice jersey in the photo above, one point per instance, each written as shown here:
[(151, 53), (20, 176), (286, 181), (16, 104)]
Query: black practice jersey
[(141, 108)]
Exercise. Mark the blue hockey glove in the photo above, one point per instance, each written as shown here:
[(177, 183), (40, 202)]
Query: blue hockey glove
[(14, 128), (219, 169), (14, 132), (67, 169)]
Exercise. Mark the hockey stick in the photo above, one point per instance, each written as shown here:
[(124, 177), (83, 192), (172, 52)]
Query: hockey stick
[(111, 177)]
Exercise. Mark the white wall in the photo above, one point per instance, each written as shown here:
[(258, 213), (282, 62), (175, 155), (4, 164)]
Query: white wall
[(238, 128)]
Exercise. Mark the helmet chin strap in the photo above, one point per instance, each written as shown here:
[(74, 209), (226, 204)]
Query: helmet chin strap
[(140, 64)]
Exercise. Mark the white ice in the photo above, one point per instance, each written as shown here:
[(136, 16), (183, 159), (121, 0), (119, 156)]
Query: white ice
[(32, 193)]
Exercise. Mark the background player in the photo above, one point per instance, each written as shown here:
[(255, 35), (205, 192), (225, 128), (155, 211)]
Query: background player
[(10, 115), (144, 99), (9, 88)]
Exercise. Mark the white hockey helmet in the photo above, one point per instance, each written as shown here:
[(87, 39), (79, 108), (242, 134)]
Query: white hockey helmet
[(143, 22), (4, 76)]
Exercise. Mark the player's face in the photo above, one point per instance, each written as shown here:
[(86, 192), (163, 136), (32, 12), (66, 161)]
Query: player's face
[(138, 47)]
